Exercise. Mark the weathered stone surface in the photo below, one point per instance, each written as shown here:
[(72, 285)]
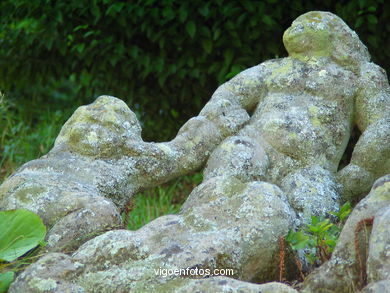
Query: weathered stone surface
[(243, 237), (378, 287), (265, 174), (222, 284)]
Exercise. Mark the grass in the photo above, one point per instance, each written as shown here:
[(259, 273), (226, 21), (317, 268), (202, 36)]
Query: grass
[(162, 200), (28, 132), (24, 137)]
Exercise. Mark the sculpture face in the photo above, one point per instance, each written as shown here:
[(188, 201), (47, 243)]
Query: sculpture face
[(309, 35), (322, 34)]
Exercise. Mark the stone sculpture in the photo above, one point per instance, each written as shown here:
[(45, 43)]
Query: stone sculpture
[(266, 173)]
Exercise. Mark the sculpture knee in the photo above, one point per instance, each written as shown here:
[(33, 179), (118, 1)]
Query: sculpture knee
[(355, 182), (312, 191), (238, 156)]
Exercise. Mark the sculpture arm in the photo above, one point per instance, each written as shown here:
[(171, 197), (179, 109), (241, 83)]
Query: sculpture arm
[(371, 156), (224, 115)]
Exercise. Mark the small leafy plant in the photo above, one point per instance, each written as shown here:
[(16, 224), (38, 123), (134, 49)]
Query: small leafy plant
[(319, 238), (20, 232)]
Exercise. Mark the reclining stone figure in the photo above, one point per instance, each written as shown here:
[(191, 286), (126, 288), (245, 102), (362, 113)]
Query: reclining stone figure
[(266, 173)]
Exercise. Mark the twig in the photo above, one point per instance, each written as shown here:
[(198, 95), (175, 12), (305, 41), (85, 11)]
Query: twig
[(281, 259), (362, 265), (299, 265)]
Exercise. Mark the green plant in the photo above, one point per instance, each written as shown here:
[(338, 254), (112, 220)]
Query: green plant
[(20, 232), (319, 238)]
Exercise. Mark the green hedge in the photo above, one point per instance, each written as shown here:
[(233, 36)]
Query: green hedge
[(164, 57)]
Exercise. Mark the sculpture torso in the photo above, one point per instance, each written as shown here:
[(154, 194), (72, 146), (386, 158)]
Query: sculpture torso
[(306, 113)]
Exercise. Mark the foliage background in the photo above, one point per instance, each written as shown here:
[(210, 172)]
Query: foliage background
[(163, 57)]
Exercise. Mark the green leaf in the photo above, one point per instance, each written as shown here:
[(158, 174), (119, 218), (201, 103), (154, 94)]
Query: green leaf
[(183, 14), (191, 28), (236, 69), (5, 280), (372, 19), (204, 11), (314, 220), (311, 258), (297, 240), (331, 243), (205, 32), (346, 207), (134, 51), (359, 22), (174, 114), (96, 12), (313, 228), (20, 231), (267, 20), (115, 8), (217, 33), (207, 46), (80, 27), (361, 3), (168, 13), (228, 55), (249, 5), (80, 47), (159, 65)]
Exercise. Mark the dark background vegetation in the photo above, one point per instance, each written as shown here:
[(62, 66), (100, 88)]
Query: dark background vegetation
[(163, 57)]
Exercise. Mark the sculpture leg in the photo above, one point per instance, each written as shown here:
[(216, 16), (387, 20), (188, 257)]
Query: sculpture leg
[(238, 156), (370, 160), (312, 191)]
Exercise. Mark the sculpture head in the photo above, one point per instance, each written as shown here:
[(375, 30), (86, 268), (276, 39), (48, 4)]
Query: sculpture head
[(101, 128), (319, 34)]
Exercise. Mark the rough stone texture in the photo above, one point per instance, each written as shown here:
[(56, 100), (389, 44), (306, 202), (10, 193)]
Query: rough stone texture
[(265, 174), (378, 287), (222, 284), (243, 237)]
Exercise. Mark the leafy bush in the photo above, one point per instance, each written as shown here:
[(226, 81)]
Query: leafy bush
[(165, 58)]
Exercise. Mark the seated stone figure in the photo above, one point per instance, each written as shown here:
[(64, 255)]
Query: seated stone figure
[(266, 173)]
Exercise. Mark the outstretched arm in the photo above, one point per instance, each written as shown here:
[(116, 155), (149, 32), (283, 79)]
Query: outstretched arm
[(224, 115), (371, 156)]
